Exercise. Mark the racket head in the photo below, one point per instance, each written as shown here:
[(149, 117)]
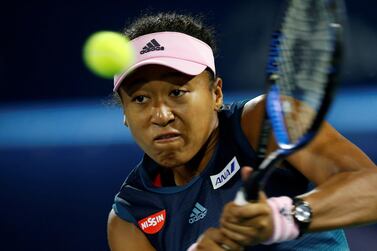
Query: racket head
[(302, 73), (303, 70)]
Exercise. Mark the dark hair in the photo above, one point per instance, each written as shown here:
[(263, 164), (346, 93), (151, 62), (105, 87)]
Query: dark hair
[(190, 25)]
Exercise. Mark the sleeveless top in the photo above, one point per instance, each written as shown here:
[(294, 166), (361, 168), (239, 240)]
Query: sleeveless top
[(173, 217)]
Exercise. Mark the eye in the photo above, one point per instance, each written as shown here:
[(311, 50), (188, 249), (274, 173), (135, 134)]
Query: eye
[(177, 93), (140, 99)]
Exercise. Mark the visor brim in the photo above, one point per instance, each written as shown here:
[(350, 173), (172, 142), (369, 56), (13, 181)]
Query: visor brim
[(184, 66)]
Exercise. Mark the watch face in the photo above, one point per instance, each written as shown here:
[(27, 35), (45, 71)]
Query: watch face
[(303, 213)]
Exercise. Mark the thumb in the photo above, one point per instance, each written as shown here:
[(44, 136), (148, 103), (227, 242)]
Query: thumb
[(262, 197), (246, 172)]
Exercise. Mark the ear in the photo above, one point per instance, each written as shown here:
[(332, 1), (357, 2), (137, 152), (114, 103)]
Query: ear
[(218, 93), (125, 120)]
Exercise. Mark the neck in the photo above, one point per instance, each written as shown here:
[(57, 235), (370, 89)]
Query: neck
[(184, 174)]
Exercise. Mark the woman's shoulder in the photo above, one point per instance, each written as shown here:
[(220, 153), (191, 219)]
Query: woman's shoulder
[(250, 118)]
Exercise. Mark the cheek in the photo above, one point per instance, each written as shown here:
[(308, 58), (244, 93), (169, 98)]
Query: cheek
[(136, 124), (205, 121), (200, 115)]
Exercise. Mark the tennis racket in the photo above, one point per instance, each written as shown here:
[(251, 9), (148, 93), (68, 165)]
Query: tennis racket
[(302, 73)]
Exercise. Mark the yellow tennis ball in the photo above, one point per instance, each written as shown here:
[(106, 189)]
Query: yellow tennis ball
[(108, 53)]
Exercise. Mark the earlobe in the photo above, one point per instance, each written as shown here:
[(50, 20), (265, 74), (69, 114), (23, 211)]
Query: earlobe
[(125, 120)]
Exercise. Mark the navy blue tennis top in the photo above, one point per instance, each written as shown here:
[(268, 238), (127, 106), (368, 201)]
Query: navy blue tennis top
[(173, 217)]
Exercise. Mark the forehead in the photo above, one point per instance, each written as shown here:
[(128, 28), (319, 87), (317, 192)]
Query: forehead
[(150, 73)]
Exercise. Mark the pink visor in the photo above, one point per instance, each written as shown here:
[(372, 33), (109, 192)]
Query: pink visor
[(176, 50)]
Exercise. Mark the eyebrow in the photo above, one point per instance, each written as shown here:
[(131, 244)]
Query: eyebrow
[(131, 87)]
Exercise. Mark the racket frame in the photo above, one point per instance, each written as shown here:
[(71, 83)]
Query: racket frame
[(257, 180)]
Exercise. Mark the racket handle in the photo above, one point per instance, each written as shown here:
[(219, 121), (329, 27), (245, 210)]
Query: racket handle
[(252, 186), (192, 247), (250, 190), (240, 199)]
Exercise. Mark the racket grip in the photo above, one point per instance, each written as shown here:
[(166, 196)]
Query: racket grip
[(250, 190), (192, 247), (252, 186), (240, 199)]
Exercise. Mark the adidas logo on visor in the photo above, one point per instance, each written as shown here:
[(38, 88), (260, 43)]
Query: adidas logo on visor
[(153, 45)]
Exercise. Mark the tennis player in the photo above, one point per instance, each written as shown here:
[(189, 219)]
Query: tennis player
[(197, 150)]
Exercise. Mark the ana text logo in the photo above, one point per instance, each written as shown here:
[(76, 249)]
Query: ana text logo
[(218, 180)]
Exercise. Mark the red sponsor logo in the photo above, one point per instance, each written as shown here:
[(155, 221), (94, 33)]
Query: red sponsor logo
[(153, 223)]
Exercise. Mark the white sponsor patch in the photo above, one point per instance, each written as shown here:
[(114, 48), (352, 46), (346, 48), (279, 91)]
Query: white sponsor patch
[(218, 180)]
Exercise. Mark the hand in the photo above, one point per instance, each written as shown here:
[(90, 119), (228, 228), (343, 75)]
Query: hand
[(249, 224), (214, 240)]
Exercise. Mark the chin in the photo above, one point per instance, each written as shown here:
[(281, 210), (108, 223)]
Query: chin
[(170, 163), (170, 160)]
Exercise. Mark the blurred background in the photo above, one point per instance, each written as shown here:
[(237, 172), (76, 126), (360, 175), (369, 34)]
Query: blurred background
[(64, 152)]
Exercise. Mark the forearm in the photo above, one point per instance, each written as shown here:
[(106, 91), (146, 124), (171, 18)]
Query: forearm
[(346, 199)]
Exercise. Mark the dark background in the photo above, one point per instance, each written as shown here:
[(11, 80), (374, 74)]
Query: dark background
[(64, 153)]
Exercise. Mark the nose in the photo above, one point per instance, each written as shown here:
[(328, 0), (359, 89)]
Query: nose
[(162, 115)]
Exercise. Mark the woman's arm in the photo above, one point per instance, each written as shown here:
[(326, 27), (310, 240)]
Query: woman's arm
[(345, 193), (125, 236), (346, 179)]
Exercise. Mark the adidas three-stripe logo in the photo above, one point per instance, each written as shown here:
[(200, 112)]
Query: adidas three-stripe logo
[(153, 45), (198, 213)]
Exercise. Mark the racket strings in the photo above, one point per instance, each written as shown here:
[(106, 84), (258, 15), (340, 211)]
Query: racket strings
[(304, 64)]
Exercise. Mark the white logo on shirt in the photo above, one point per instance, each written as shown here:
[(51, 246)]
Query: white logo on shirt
[(198, 213), (218, 180)]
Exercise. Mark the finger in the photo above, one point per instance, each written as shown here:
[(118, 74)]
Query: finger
[(213, 234), (219, 238), (228, 244), (255, 229), (238, 238), (208, 241), (213, 239), (229, 248), (206, 245), (236, 214), (247, 230), (262, 197), (247, 225)]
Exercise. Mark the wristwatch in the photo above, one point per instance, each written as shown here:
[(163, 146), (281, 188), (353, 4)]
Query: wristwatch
[(302, 214)]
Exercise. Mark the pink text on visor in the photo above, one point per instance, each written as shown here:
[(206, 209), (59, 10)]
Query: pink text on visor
[(176, 50)]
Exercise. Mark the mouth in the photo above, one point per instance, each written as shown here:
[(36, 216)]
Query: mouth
[(166, 137)]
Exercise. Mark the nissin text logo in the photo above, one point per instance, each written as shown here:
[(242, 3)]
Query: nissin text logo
[(220, 179), (153, 223)]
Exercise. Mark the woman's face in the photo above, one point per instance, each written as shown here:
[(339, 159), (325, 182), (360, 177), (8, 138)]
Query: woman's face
[(171, 115)]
